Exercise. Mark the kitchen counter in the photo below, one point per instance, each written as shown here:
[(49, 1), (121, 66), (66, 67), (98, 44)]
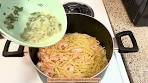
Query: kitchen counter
[(136, 63)]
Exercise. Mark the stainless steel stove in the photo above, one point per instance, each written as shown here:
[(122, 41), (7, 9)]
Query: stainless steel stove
[(20, 70)]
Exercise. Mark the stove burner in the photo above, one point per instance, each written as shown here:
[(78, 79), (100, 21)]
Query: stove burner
[(74, 7)]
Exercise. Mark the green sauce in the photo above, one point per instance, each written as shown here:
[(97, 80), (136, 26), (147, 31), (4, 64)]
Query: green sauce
[(40, 26)]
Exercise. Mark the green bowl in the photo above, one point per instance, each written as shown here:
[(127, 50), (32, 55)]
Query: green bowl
[(54, 7)]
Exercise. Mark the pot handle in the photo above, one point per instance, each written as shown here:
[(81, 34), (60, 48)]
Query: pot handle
[(18, 53), (123, 49)]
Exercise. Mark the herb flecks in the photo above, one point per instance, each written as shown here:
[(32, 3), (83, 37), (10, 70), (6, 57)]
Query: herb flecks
[(12, 17), (0, 5), (8, 8), (4, 13), (40, 5), (19, 9), (10, 20)]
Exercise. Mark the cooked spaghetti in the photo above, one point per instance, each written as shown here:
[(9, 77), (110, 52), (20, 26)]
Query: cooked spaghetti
[(75, 56)]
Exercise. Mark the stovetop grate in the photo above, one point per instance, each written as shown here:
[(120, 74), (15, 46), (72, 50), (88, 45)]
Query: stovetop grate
[(73, 7)]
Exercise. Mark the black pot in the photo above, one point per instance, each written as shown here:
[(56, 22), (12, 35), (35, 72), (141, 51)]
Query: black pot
[(88, 25)]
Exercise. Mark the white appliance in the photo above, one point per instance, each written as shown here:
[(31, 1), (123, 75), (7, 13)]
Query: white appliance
[(20, 70)]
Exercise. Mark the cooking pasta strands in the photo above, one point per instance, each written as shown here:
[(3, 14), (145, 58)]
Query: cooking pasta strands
[(76, 55)]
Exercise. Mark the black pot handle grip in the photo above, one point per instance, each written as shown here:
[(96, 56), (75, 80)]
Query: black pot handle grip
[(18, 53), (123, 49)]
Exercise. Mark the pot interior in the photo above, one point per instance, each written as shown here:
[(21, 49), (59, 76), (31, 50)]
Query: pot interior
[(87, 25)]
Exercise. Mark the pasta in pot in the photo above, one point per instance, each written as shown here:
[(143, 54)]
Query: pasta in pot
[(75, 56)]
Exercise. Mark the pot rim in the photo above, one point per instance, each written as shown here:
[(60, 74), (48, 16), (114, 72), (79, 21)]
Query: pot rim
[(108, 60)]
